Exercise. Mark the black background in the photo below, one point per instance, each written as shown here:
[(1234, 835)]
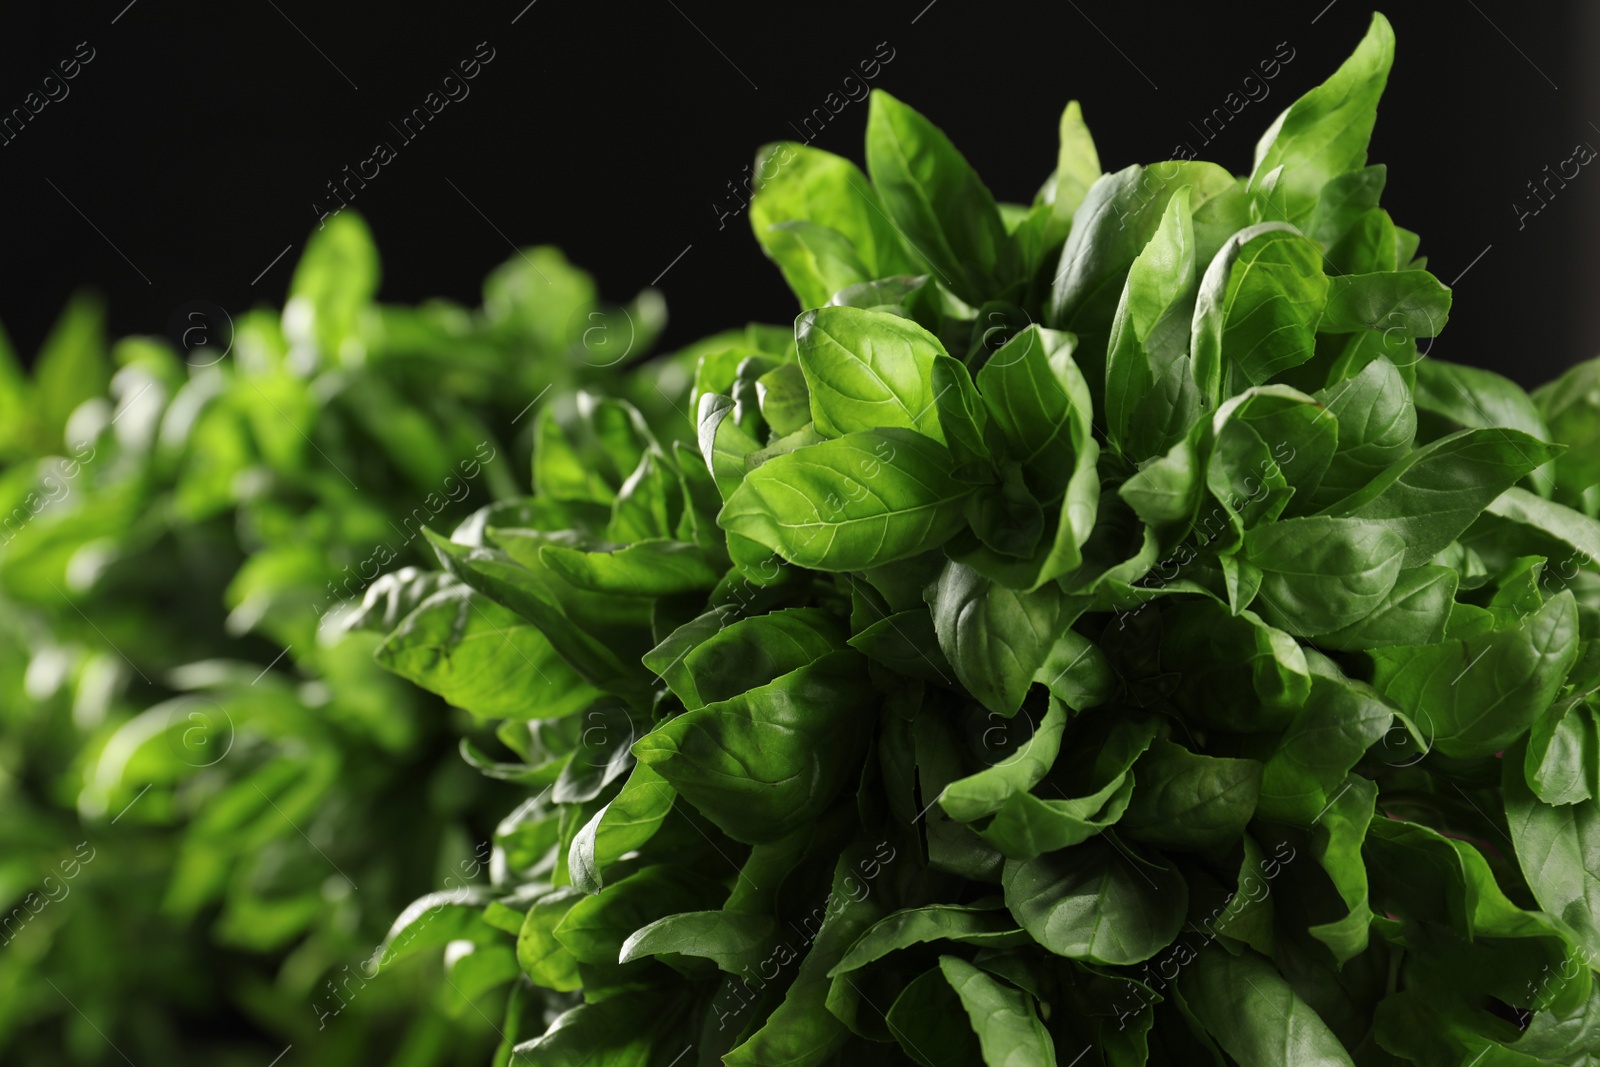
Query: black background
[(200, 136)]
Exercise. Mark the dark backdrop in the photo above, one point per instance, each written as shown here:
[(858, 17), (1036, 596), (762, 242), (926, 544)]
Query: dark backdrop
[(191, 149)]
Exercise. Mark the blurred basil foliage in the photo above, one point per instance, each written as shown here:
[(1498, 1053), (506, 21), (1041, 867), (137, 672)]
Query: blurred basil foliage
[(213, 801)]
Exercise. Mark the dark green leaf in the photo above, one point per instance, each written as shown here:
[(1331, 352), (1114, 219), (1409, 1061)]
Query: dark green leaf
[(1248, 1008), (1322, 573), (1097, 903), (1432, 495), (629, 821), (1558, 849), (1003, 1017), (1341, 720), (985, 792), (1417, 608), (747, 653), (1033, 407), (995, 637), (434, 921), (1377, 424), (1563, 763), (1571, 408), (928, 1021), (1477, 694), (963, 924), (595, 927), (1189, 801), (906, 642), (767, 761)]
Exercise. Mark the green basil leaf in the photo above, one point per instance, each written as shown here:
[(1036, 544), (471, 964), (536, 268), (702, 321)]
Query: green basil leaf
[(724, 444), (1034, 408), (948, 216), (1563, 762), (602, 755), (966, 924), (1322, 573), (930, 1024), (732, 940), (1558, 849), (628, 822), (985, 792), (785, 399), (1470, 396), (1344, 202), (1404, 303), (1377, 424), (1248, 1008), (607, 1031), (996, 638), (1096, 902), (817, 261), (1324, 133), (1003, 1017), (72, 366), (1510, 677), (1571, 408), (1222, 653), (744, 654), (1438, 885), (544, 958), (798, 183), (1118, 217), (1150, 333), (1432, 495), (1571, 528), (883, 294), (764, 762), (653, 567), (1190, 801), (855, 502), (906, 642), (432, 921), (1027, 825), (801, 1031), (867, 370), (1337, 834), (595, 927), (1257, 310), (1077, 163), (333, 284), (1341, 720), (1006, 518), (485, 658), (1417, 607), (493, 574)]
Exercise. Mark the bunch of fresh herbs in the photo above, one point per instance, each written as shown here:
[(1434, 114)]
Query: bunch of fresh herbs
[(1095, 634)]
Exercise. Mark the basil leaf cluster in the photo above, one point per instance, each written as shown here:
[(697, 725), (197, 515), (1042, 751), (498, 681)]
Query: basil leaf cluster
[(1097, 632), (212, 800)]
